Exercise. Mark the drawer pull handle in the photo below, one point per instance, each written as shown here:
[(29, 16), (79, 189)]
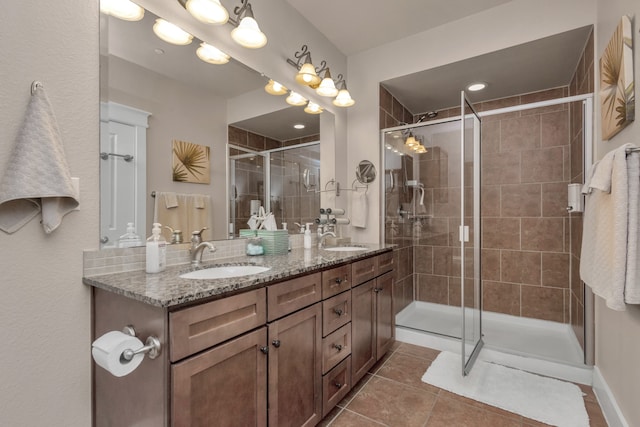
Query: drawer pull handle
[(338, 311), (338, 280), (264, 349), (338, 347), (337, 384), (276, 343)]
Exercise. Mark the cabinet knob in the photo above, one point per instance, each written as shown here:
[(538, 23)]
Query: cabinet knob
[(337, 384), (338, 311), (338, 280), (376, 290), (338, 347), (264, 349), (276, 343)]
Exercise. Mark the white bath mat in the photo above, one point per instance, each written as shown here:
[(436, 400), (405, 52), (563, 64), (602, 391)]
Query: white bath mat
[(544, 399)]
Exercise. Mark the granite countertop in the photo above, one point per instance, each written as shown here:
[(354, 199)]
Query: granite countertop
[(167, 289)]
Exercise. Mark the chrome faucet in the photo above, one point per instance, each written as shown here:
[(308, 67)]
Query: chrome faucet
[(197, 247), (323, 236)]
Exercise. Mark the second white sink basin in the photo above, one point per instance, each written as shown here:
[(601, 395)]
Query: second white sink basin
[(225, 272), (345, 248)]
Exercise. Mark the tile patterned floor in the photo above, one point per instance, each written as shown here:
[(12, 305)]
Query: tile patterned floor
[(392, 394)]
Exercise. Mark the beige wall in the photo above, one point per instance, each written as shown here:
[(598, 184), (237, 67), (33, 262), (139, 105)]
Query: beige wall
[(45, 361), (178, 111), (617, 343), (513, 23), (45, 309)]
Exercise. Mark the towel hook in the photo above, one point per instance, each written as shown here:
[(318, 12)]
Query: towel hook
[(34, 86)]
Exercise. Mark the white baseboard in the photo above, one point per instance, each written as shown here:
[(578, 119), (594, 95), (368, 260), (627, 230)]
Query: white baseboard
[(610, 408)]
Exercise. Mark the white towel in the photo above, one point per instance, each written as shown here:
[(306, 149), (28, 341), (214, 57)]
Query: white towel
[(170, 200), (604, 239), (632, 281), (359, 209), (37, 177)]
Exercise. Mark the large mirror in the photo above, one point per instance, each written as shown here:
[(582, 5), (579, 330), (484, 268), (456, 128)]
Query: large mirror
[(181, 122)]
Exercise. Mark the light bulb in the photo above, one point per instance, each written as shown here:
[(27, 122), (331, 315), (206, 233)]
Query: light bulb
[(248, 34), (212, 54), (295, 98), (208, 11), (171, 33), (122, 9)]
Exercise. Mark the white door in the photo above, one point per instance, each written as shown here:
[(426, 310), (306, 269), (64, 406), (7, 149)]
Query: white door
[(122, 173)]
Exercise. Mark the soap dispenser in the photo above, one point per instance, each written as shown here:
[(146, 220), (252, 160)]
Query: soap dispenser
[(156, 250), (307, 237), (130, 238)]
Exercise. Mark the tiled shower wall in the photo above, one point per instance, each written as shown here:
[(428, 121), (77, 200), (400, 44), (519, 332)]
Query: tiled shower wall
[(526, 230), (392, 113)]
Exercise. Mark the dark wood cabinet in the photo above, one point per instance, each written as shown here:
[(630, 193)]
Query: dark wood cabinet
[(363, 328), (281, 355), (223, 386), (373, 321), (295, 369)]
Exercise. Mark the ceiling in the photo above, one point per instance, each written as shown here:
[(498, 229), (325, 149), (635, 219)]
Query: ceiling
[(356, 25), (529, 67)]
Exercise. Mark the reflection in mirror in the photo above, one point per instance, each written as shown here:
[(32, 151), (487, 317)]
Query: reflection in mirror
[(273, 177), (154, 93), (365, 172)]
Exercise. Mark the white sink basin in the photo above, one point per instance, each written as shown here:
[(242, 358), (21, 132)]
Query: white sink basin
[(345, 248), (225, 272)]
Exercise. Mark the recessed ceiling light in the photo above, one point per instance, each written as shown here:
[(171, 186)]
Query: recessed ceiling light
[(474, 87), (299, 126)]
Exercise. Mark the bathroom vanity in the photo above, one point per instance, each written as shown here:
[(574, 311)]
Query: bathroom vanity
[(278, 348)]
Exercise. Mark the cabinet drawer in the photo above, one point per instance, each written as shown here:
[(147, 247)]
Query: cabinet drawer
[(292, 295), (196, 328), (384, 263), (336, 347), (336, 312), (363, 270), (335, 385), (335, 281)]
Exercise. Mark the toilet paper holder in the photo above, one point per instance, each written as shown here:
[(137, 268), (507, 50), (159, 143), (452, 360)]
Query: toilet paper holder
[(151, 348)]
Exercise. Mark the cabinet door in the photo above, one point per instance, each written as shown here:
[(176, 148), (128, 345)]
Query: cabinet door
[(363, 344), (385, 320), (224, 386), (295, 369)]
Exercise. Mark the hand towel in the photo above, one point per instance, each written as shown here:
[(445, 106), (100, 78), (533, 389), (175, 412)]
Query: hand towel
[(170, 200), (604, 240), (359, 209), (632, 280), (199, 201), (37, 177), (199, 213)]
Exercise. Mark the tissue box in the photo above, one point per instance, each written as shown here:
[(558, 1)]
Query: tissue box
[(275, 242)]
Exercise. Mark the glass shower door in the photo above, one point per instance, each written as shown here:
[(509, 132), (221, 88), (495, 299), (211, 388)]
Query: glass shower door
[(470, 236)]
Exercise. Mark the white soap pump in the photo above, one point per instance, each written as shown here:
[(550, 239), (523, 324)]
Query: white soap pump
[(307, 236), (156, 250)]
